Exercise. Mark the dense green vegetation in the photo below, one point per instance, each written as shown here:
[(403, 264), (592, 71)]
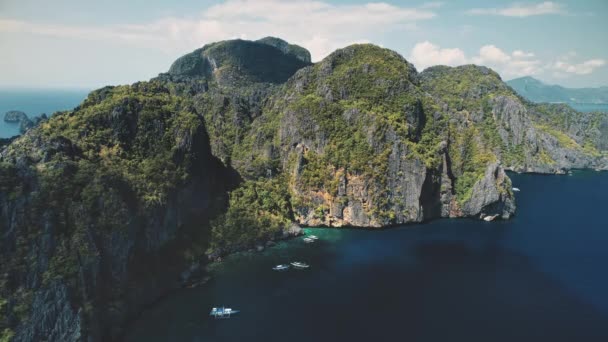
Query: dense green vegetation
[(474, 141), (5, 333), (469, 160), (257, 210), (562, 119), (368, 93), (138, 134), (467, 87), (238, 63), (109, 164)]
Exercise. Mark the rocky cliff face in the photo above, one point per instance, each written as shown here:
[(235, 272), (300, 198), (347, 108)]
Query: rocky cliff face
[(94, 203), (362, 145), (526, 137), (241, 62), (103, 207)]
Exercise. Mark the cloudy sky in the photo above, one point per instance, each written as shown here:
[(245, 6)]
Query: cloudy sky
[(85, 43)]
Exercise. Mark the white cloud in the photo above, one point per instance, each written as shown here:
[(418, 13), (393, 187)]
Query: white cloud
[(319, 26), (583, 68), (432, 4), (426, 54), (509, 65), (490, 54), (522, 10), (522, 54), (517, 63)]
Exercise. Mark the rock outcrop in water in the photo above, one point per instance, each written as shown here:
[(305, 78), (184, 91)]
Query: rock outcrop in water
[(15, 116), (25, 123), (104, 208)]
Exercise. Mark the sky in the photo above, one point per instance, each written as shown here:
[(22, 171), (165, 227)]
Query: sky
[(90, 44)]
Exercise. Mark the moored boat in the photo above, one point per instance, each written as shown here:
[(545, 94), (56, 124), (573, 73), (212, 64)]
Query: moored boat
[(300, 265), (308, 240), (281, 267), (516, 189), (223, 312)]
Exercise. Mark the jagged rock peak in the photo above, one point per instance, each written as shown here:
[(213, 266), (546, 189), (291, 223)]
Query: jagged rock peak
[(290, 49), (239, 61), (368, 53)]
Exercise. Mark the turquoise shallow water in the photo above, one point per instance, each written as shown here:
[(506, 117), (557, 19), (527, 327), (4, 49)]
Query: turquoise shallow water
[(537, 277), (34, 103)]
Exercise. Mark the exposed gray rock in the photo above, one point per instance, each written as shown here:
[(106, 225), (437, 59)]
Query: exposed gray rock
[(15, 116), (491, 195), (290, 49), (53, 318), (545, 148)]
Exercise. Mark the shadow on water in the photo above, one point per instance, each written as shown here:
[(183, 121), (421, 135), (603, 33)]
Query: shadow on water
[(424, 291), (448, 280)]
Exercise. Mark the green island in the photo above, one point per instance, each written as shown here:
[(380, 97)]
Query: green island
[(104, 207)]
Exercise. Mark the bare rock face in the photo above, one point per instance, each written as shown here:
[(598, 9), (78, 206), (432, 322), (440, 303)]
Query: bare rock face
[(492, 195), (15, 116), (352, 162), (53, 318), (290, 49), (511, 115), (239, 62), (542, 146), (82, 248)]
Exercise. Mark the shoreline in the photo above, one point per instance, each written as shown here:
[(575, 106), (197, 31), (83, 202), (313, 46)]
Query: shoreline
[(205, 277)]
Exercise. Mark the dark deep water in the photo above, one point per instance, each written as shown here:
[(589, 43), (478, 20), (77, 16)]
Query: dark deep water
[(541, 276)]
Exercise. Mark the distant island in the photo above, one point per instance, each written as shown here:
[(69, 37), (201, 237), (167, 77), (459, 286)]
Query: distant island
[(537, 91), (15, 116), (25, 123)]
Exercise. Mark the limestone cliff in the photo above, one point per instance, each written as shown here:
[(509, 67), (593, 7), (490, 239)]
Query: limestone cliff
[(97, 202), (362, 145), (526, 137)]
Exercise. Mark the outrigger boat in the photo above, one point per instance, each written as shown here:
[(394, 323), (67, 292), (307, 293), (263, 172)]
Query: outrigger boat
[(223, 312), (281, 267), (299, 265)]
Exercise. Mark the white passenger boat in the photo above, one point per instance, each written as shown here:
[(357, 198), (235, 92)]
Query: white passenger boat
[(223, 312), (281, 267), (299, 265)]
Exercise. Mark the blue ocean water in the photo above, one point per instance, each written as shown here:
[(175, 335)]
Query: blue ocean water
[(540, 276), (34, 103)]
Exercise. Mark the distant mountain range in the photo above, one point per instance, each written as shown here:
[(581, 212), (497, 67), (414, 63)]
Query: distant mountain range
[(537, 91)]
